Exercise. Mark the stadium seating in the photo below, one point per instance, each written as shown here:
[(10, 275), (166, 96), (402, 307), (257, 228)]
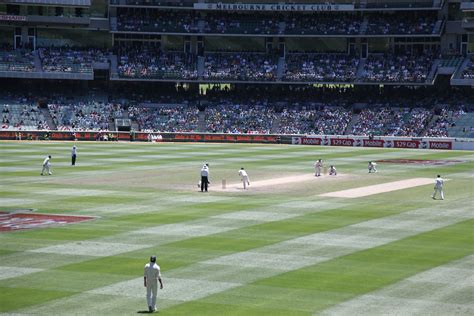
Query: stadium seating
[(84, 116), (16, 60), (240, 118), (170, 119), (148, 63), (22, 116), (468, 72), (70, 60), (405, 24), (400, 68), (321, 67), (240, 66), (329, 120), (141, 20)]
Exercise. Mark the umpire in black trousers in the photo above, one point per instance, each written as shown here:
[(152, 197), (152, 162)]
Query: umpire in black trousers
[(204, 177)]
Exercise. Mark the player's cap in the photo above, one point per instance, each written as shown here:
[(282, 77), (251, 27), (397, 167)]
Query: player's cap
[(439, 176), (153, 259), (242, 168), (49, 156)]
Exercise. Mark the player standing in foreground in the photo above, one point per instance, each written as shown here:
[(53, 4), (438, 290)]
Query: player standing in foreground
[(46, 166), (151, 277), (438, 188), (317, 168), (245, 178)]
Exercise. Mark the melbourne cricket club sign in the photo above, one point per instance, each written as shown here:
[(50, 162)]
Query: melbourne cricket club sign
[(279, 7)]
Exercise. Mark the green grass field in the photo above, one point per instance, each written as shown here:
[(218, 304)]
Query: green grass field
[(275, 250)]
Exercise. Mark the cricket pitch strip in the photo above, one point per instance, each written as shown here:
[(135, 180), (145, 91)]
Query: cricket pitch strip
[(380, 188), (276, 181)]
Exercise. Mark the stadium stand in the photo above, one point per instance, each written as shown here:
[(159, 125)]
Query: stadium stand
[(152, 63), (391, 68), (22, 116), (84, 116), (237, 118), (240, 66), (167, 118), (328, 120), (405, 24), (143, 20), (468, 72), (16, 60), (321, 67), (287, 66), (70, 60)]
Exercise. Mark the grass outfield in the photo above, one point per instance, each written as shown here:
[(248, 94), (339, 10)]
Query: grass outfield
[(278, 250)]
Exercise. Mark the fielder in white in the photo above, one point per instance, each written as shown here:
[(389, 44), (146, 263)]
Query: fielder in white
[(245, 177), (372, 167), (46, 166), (332, 171), (151, 277), (317, 168), (438, 188)]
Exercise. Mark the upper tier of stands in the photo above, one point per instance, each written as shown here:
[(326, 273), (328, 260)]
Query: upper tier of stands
[(248, 23), (240, 66), (321, 67), (468, 72), (16, 60), (149, 63)]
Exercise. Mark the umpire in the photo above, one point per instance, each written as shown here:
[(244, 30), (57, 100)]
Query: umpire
[(204, 177)]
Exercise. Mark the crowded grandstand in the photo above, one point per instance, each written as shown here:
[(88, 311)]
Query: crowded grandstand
[(365, 67)]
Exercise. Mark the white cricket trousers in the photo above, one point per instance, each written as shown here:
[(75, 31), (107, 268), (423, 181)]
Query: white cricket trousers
[(317, 171), (151, 292), (440, 191), (246, 181), (45, 168)]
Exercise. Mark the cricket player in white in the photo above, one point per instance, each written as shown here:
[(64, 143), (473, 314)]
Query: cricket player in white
[(245, 178), (317, 168), (438, 188), (46, 166), (152, 275), (332, 171), (371, 167)]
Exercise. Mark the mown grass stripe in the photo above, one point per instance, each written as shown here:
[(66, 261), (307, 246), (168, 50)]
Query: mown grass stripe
[(352, 275)]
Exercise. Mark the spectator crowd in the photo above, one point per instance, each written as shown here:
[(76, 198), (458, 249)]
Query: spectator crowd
[(22, 115), (397, 68), (383, 24), (178, 118), (321, 67), (71, 60), (240, 66), (238, 118), (227, 116), (84, 115), (16, 60), (152, 63), (468, 72)]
